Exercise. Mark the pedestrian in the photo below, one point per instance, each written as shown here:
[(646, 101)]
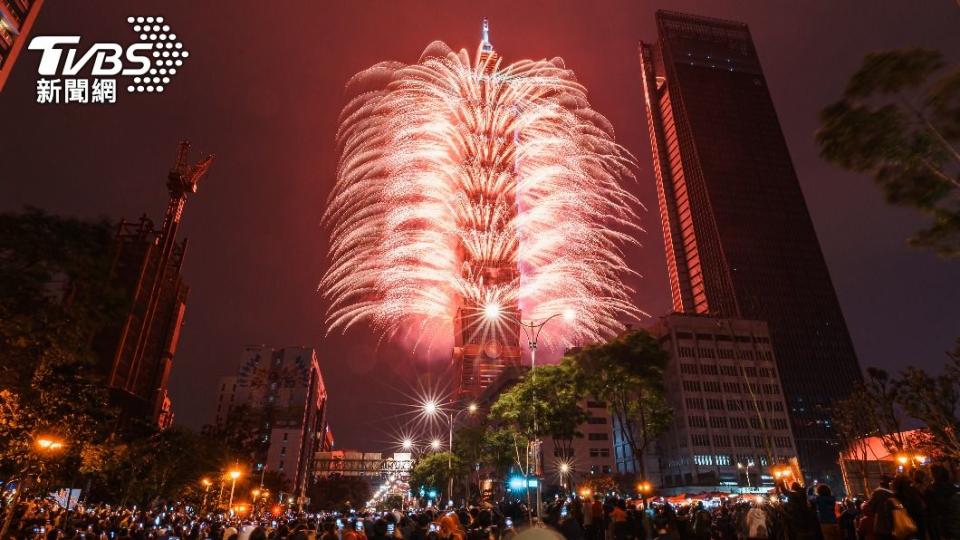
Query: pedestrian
[(877, 520), (912, 500), (825, 505), (800, 521), (943, 505), (701, 523), (757, 524)]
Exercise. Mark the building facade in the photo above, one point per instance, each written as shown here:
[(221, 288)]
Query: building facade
[(730, 421), (16, 20), (284, 389), (568, 463), (740, 241)]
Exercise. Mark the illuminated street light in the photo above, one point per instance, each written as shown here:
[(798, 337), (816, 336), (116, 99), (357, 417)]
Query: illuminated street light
[(492, 311), (747, 469), (407, 444), (206, 489), (432, 408), (234, 474), (49, 444)]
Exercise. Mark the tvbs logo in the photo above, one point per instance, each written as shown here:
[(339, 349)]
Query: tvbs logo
[(88, 75)]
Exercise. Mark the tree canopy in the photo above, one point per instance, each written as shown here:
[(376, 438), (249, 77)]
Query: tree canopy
[(899, 121)]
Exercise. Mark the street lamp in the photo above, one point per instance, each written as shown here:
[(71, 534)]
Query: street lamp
[(206, 488), (432, 408), (234, 474), (531, 330), (435, 445), (45, 446), (746, 468), (645, 488), (564, 471), (49, 444), (408, 444)]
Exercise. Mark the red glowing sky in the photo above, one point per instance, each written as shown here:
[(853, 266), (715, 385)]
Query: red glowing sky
[(263, 89)]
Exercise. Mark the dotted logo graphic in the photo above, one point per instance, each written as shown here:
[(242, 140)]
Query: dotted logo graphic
[(167, 56)]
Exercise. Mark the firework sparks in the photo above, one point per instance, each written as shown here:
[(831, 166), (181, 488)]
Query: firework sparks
[(469, 183)]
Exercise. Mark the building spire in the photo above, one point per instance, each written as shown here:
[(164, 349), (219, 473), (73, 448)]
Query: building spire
[(485, 45)]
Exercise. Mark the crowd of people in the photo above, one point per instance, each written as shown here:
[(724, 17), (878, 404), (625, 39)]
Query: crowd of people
[(901, 508)]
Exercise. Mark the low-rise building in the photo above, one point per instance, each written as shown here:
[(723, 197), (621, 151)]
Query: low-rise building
[(730, 423)]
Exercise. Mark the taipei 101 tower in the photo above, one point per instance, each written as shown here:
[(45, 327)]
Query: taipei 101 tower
[(483, 350)]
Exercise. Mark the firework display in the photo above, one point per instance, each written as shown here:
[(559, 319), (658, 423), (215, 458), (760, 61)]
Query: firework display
[(467, 184)]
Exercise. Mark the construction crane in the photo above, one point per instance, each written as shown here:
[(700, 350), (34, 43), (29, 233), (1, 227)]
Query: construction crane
[(182, 180)]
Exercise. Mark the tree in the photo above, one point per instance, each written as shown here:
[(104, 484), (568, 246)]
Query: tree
[(934, 401), (546, 402), (627, 374), (57, 295), (882, 394), (240, 434), (502, 448), (433, 471), (853, 423), (899, 121)]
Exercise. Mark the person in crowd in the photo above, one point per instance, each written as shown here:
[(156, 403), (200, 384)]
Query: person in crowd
[(825, 506), (800, 520), (876, 521), (943, 505)]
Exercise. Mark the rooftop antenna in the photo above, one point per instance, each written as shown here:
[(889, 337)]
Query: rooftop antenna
[(485, 45)]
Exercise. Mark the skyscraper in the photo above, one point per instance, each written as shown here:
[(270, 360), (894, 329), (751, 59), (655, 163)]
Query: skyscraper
[(483, 350), (739, 239), (16, 20)]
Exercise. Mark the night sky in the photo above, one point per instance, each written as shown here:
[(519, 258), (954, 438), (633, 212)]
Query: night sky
[(263, 88)]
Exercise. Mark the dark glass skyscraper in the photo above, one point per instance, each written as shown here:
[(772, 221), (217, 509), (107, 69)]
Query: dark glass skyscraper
[(739, 239)]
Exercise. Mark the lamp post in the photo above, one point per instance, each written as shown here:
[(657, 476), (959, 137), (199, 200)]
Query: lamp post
[(44, 446), (746, 469), (564, 471), (645, 488), (234, 474), (432, 408), (206, 489), (531, 330)]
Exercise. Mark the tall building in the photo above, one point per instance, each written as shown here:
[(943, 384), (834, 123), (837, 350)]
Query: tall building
[(730, 422), (16, 20), (740, 242), (284, 389), (482, 350), (137, 352)]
